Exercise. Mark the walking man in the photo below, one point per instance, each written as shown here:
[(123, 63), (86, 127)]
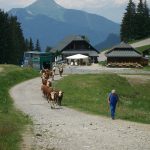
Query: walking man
[(112, 101)]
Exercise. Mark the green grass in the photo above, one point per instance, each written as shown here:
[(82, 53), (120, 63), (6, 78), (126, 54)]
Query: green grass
[(12, 121), (102, 63), (142, 48), (89, 93), (146, 68), (134, 41)]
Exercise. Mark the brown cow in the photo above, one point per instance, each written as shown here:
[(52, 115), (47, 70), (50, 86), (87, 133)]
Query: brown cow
[(49, 83), (46, 91), (46, 73), (46, 81), (52, 99)]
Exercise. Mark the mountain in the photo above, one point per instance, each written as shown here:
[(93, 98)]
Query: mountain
[(110, 41), (49, 22)]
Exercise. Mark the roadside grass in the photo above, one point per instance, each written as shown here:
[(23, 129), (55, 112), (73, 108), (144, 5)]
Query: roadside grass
[(134, 41), (142, 48), (103, 63), (89, 93), (147, 68), (12, 121)]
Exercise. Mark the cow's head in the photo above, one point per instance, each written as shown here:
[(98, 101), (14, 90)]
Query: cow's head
[(60, 93), (48, 82), (53, 95)]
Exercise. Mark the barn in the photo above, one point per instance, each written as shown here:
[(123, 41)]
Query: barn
[(38, 60), (124, 55), (76, 44)]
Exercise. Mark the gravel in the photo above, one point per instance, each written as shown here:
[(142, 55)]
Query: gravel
[(67, 129), (1, 69)]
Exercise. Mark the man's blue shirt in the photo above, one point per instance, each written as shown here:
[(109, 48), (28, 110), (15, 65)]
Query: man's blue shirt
[(113, 98)]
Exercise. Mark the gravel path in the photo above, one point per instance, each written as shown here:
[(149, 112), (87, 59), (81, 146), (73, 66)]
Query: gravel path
[(95, 68), (141, 43), (1, 69), (67, 129)]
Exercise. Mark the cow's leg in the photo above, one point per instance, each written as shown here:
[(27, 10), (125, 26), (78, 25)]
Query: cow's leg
[(51, 104)]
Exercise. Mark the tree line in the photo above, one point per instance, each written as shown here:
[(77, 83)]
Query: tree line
[(30, 45), (12, 42), (136, 22)]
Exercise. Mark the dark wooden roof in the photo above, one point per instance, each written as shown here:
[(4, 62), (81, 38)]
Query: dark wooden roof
[(61, 45), (123, 50)]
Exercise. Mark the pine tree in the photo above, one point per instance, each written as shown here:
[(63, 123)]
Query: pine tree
[(4, 39), (147, 19), (18, 46), (31, 46), (12, 43), (27, 44), (127, 32), (48, 49), (140, 21), (37, 46)]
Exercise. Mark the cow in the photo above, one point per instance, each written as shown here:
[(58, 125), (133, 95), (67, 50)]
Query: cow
[(59, 96), (49, 83), (52, 99), (46, 91), (54, 69), (60, 71)]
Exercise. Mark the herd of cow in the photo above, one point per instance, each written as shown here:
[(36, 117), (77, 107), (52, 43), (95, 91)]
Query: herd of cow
[(52, 95)]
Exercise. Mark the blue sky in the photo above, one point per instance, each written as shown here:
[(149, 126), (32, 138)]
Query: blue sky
[(111, 9)]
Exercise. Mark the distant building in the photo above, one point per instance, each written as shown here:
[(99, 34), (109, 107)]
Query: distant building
[(76, 45), (38, 60), (124, 55)]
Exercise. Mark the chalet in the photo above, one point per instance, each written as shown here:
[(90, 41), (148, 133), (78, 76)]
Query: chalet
[(124, 55), (38, 60), (76, 45)]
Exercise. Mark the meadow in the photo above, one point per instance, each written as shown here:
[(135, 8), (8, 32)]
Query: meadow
[(86, 93), (89, 93), (12, 121)]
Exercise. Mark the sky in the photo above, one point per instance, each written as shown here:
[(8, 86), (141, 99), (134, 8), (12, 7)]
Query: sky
[(111, 9)]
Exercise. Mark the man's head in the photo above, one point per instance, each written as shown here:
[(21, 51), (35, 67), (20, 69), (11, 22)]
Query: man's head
[(113, 91)]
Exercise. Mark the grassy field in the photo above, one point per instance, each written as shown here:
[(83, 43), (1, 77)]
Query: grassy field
[(12, 122), (142, 48), (84, 92), (89, 93), (146, 68)]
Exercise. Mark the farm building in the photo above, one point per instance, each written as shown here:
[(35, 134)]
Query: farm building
[(76, 45), (124, 55), (38, 60)]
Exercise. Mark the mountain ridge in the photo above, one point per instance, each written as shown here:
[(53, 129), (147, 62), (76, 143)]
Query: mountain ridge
[(76, 22)]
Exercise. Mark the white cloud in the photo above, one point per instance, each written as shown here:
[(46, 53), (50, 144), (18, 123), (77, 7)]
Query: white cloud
[(111, 9), (92, 4), (74, 4), (89, 3)]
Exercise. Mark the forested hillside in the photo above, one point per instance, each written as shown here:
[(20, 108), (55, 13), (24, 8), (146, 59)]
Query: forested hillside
[(136, 22), (12, 43)]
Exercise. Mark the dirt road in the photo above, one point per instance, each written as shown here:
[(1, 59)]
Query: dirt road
[(1, 69), (67, 129), (141, 43)]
